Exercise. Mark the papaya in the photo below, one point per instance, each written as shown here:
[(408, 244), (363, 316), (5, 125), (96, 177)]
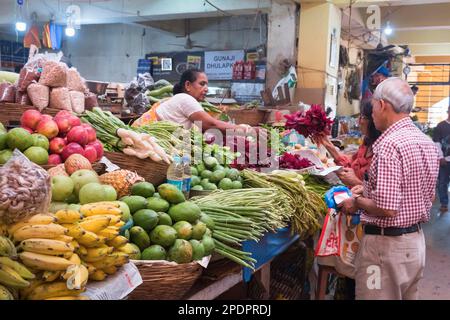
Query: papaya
[(139, 237), (198, 250), (185, 211), (171, 193), (180, 252)]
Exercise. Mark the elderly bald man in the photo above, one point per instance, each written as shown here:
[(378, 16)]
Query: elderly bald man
[(395, 199)]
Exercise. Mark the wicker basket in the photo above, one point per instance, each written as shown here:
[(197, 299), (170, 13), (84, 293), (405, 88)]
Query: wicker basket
[(10, 113), (153, 172), (98, 167), (252, 117), (164, 280)]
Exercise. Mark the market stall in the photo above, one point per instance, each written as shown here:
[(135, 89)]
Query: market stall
[(145, 213)]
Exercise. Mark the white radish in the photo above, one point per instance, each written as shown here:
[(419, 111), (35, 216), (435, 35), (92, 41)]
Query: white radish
[(159, 150)]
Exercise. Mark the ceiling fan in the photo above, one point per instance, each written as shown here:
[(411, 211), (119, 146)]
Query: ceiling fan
[(189, 44)]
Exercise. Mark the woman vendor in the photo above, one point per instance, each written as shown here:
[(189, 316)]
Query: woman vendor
[(184, 107)]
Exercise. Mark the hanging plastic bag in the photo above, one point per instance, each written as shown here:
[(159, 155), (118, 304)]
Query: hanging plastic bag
[(25, 189), (290, 79)]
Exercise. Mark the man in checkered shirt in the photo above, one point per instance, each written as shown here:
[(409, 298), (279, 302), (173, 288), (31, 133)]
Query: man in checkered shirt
[(395, 199)]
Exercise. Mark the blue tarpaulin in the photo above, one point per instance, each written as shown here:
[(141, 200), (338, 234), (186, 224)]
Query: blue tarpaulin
[(269, 246)]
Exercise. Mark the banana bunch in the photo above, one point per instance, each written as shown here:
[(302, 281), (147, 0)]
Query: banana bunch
[(102, 221)]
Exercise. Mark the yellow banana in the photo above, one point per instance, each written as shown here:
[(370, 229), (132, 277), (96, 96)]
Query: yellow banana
[(63, 238), (120, 224), (129, 249), (109, 233), (82, 250), (97, 254), (110, 270), (89, 240), (5, 294), (24, 292), (67, 255), (7, 247), (68, 216), (78, 278), (46, 246), (114, 219), (53, 289), (118, 241), (75, 259), (95, 225), (36, 219), (90, 267), (99, 209), (18, 267), (44, 262), (46, 231), (50, 276), (97, 275), (101, 203), (74, 244), (69, 298), (115, 259), (10, 278), (74, 230)]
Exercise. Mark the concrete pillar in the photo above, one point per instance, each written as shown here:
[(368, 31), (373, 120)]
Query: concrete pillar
[(318, 53), (281, 40)]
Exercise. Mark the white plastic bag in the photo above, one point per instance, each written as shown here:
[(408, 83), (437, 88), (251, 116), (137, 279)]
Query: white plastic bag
[(290, 79)]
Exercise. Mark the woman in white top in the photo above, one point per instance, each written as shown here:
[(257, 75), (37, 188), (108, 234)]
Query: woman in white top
[(184, 107)]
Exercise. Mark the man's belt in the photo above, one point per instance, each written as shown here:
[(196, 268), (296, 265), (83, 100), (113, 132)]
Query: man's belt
[(391, 231)]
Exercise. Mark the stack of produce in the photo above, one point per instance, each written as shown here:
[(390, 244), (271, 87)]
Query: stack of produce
[(309, 123), (166, 226), (51, 84), (306, 207), (47, 140), (116, 135), (54, 270), (210, 175), (81, 187), (95, 232), (240, 215)]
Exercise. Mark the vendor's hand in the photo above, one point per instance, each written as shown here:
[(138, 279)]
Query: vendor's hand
[(348, 206), (348, 177), (359, 189), (443, 162)]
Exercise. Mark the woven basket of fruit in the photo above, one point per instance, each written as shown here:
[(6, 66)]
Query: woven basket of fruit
[(163, 280)]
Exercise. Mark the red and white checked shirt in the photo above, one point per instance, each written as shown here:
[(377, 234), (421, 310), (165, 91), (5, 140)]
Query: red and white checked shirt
[(402, 175)]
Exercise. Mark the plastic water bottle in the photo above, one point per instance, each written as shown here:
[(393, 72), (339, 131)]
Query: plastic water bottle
[(175, 173), (186, 175)]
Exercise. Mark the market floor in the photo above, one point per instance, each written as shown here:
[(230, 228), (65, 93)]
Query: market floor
[(435, 284)]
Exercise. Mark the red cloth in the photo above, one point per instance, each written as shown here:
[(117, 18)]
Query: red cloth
[(359, 162), (402, 176)]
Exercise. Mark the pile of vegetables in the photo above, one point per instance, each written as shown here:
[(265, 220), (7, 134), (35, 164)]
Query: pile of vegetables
[(294, 161), (154, 141), (305, 206), (241, 215), (309, 123)]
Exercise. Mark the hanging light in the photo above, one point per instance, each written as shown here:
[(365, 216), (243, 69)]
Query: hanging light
[(388, 30), (70, 31), (21, 25)]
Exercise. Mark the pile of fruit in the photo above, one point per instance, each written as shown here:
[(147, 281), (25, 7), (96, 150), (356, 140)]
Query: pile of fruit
[(210, 175), (47, 140), (58, 253), (166, 226)]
